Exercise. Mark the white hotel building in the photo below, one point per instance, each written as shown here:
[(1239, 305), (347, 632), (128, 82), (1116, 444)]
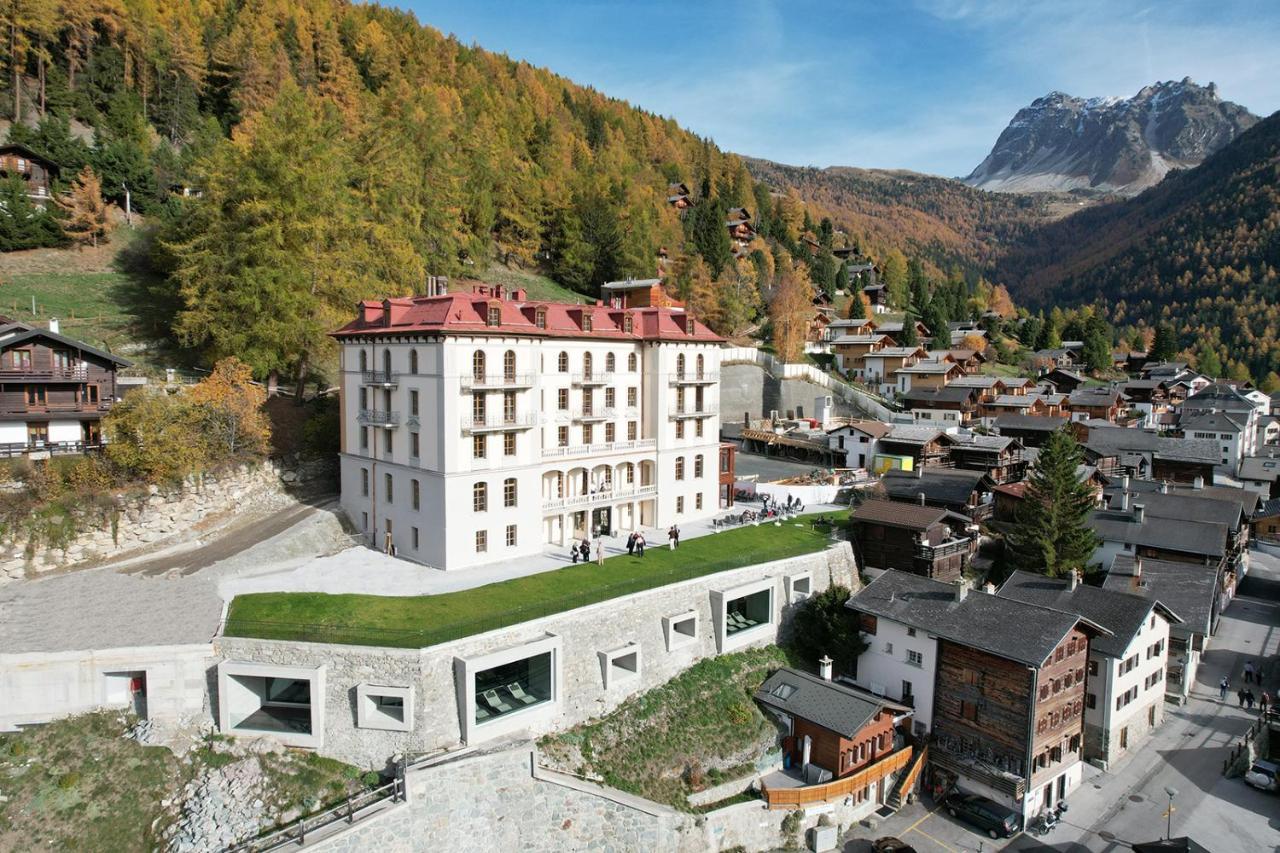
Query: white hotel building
[(479, 427)]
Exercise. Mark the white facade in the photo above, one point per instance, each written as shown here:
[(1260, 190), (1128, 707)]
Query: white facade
[(859, 448), (900, 663), (1124, 697), (577, 435)]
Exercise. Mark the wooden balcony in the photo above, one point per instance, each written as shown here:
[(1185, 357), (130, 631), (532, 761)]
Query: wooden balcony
[(56, 407), (78, 373), (947, 549), (53, 448)]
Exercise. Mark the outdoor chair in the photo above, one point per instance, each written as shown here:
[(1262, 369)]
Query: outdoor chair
[(495, 702), (517, 692)]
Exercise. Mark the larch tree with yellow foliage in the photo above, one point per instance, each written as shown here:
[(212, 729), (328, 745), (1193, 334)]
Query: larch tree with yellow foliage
[(84, 209), (790, 310)]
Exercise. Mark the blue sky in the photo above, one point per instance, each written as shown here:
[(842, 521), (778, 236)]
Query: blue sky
[(924, 85)]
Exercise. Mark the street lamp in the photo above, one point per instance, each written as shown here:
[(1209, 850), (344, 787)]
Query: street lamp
[(1168, 829)]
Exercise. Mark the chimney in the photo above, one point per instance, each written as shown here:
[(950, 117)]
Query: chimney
[(920, 498), (1137, 567), (1139, 513), (824, 667), (54, 326), (962, 589), (1124, 483), (1074, 581), (989, 588), (1198, 482), (1164, 487), (1124, 500)]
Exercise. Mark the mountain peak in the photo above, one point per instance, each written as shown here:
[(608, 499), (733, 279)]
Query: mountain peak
[(1110, 144)]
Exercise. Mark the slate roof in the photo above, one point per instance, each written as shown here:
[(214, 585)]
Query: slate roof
[(978, 381), (948, 394), (1187, 589), (875, 429), (858, 339), (1038, 423), (1246, 499), (909, 515), (940, 485), (1219, 395), (1211, 422), (1113, 440), (1187, 506), (1167, 534), (909, 434), (27, 333), (893, 352), (842, 709), (1026, 633), (1122, 613), (1094, 397), (930, 367), (1266, 468), (1013, 401), (985, 442)]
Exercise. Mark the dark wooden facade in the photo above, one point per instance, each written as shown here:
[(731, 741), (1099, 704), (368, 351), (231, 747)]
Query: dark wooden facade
[(727, 475), (35, 171), (933, 552)]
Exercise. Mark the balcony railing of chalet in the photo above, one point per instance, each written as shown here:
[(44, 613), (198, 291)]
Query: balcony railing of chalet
[(499, 422), (588, 415), (379, 377), (975, 768), (375, 417), (506, 380), (78, 373), (980, 512), (694, 378), (602, 496), (599, 447), (946, 549), (694, 411), (592, 378), (69, 406), (54, 448), (793, 798)]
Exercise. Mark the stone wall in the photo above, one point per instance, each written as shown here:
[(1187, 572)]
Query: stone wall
[(584, 633), (502, 801), (156, 514), (751, 388)]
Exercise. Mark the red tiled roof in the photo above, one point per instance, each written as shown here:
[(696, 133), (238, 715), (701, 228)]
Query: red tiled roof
[(467, 313)]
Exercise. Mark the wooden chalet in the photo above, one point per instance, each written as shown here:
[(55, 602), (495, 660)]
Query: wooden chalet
[(963, 492), (678, 196), (894, 330), (927, 374), (877, 296), (1015, 404), (925, 446), (928, 541), (936, 404), (1101, 403), (638, 293), (831, 730), (1063, 380), (37, 173), (1000, 457)]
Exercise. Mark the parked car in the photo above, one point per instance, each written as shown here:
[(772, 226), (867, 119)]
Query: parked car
[(1264, 775), (889, 844), (992, 818)]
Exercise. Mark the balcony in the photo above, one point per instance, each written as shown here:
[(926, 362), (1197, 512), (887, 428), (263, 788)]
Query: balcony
[(589, 379), (56, 407), (693, 378), (54, 374), (53, 448), (604, 496), (599, 448), (375, 417), (946, 549), (380, 378), (499, 423), (703, 412), (587, 416), (496, 383)]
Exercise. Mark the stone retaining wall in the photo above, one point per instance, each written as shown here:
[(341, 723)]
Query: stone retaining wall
[(583, 634), (158, 514)]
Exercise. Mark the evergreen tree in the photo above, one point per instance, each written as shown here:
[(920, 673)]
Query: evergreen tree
[(711, 236), (936, 320), (23, 225), (823, 272), (842, 278), (1165, 344), (1097, 344), (824, 625), (1208, 363), (857, 306), (910, 335), (1029, 332), (1051, 533)]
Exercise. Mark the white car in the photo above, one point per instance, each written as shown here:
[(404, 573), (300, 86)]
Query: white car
[(1264, 775)]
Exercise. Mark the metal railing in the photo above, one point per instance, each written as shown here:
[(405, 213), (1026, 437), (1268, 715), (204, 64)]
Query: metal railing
[(595, 414), (346, 812), (379, 377), (499, 422), (592, 378), (602, 447), (376, 417), (693, 378), (703, 412), (55, 448), (506, 380), (601, 497)]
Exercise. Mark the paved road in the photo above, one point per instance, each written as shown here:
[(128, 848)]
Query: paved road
[(1113, 810)]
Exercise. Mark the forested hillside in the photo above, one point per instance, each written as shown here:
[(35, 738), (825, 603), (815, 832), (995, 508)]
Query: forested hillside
[(1199, 251), (943, 221)]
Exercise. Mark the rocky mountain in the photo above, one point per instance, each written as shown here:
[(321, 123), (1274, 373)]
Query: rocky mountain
[(1110, 145), (1199, 251)]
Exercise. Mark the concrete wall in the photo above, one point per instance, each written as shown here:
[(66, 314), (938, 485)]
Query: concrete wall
[(41, 686), (585, 632), (754, 388)]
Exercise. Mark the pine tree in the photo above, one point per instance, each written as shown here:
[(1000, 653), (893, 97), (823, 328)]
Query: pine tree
[(711, 236), (910, 335), (23, 225), (1165, 344), (85, 211), (1097, 344), (1051, 533), (857, 306), (1208, 363), (842, 278)]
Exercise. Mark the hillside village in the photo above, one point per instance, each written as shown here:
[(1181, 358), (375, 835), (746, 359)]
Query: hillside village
[(625, 500)]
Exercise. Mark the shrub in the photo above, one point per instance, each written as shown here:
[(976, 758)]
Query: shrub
[(824, 626), (68, 780)]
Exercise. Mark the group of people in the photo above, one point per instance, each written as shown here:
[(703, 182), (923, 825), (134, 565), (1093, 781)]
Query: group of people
[(1246, 697), (582, 551), (635, 544)]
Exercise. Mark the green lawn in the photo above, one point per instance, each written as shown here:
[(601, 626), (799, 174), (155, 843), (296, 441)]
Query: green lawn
[(84, 302), (539, 287), (417, 621)]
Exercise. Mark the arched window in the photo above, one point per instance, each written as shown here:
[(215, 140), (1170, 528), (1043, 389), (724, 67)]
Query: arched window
[(610, 364), (697, 467), (509, 365), (480, 497), (386, 365), (413, 361), (477, 365), (563, 362), (631, 362), (679, 467), (364, 361), (680, 366), (700, 365), (586, 365)]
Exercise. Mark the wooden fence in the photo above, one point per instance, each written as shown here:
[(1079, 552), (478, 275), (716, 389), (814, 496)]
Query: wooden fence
[(793, 798), (908, 779)]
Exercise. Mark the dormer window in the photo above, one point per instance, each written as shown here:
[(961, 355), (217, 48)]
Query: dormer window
[(690, 325), (628, 325), (495, 315), (540, 318), (586, 321)]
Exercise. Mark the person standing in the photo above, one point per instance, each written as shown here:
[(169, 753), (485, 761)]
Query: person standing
[(640, 544), (1240, 696), (1248, 672), (671, 537), (600, 551), (1264, 702), (585, 548), (1248, 699), (676, 531), (1222, 688), (631, 545)]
